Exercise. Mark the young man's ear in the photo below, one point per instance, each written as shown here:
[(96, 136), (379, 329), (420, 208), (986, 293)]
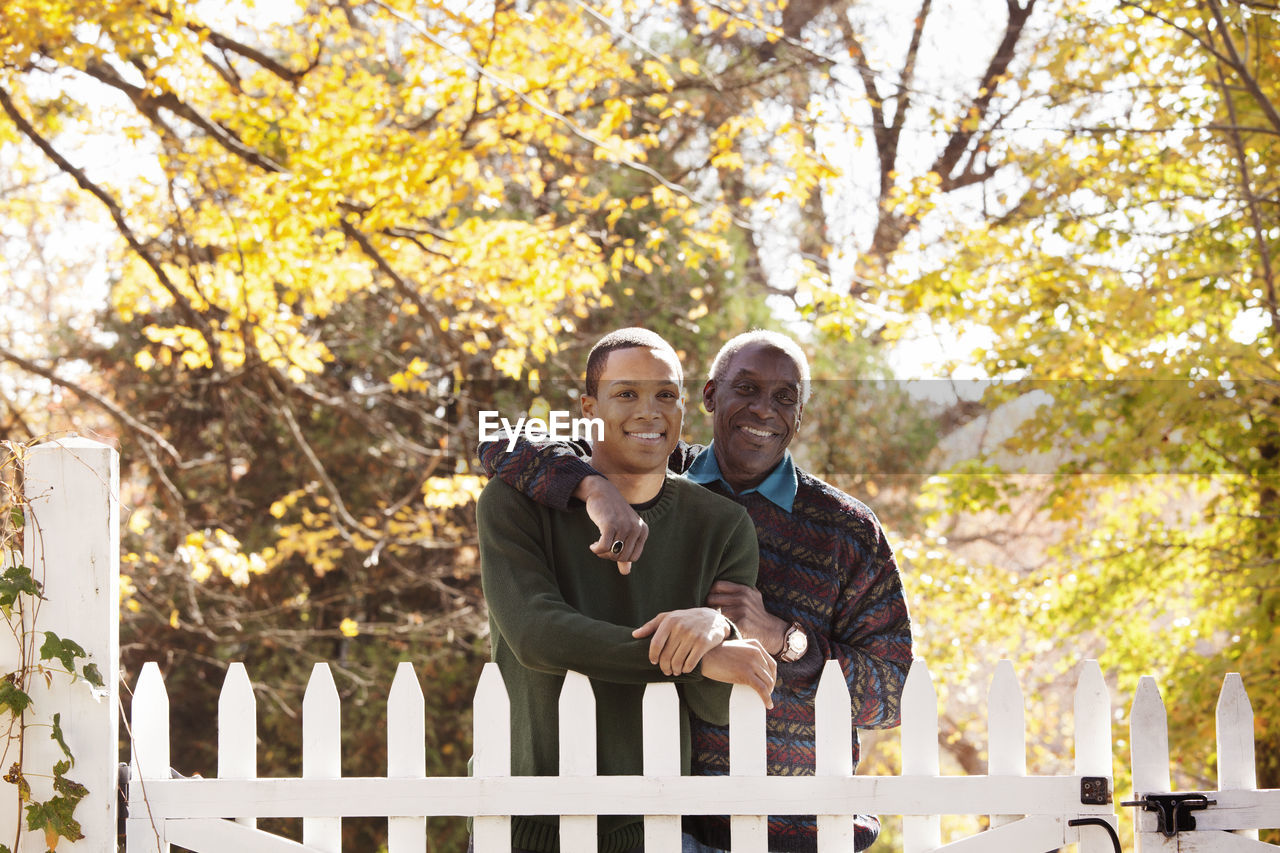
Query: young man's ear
[(588, 406), (709, 395)]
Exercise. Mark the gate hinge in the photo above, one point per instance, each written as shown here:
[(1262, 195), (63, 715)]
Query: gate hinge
[(1173, 811)]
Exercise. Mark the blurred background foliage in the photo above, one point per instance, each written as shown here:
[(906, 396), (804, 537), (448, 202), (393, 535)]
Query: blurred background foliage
[(282, 253)]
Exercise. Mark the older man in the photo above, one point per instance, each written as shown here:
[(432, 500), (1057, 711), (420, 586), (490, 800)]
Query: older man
[(828, 586)]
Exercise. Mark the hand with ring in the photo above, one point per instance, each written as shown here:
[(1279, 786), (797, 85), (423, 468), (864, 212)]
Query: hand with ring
[(622, 531)]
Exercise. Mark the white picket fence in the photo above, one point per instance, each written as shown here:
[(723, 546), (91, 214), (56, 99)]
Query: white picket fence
[(1223, 821), (73, 486), (1029, 812)]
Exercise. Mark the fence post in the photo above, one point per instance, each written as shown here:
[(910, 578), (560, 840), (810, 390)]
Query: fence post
[(72, 546)]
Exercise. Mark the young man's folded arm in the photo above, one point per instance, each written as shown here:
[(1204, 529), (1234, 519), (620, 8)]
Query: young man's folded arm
[(542, 629)]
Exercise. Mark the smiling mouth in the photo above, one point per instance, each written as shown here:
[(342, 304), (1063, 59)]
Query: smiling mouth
[(758, 433), (646, 436)]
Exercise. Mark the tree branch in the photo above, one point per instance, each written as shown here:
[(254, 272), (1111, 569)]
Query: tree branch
[(1237, 64), (148, 103), (117, 216)]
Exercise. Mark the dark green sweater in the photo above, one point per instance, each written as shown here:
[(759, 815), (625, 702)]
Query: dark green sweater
[(555, 606)]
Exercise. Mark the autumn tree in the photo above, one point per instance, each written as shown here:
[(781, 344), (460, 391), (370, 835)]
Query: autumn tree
[(336, 231), (1127, 281)]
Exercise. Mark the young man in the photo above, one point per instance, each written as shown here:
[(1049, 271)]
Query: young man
[(552, 608), (828, 588)]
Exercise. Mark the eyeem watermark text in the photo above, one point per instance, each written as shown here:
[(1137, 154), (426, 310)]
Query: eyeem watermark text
[(559, 426)]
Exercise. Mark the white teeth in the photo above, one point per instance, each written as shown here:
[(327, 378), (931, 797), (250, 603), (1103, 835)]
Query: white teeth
[(647, 434), (757, 432)]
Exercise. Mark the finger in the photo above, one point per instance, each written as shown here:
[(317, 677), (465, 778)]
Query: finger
[(648, 628), (680, 656), (624, 568), (601, 546), (636, 542), (657, 644), (692, 660)]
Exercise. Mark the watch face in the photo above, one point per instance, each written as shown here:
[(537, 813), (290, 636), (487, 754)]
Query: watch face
[(797, 644)]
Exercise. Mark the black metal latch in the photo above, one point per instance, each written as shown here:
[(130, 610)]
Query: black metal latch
[(1173, 811)]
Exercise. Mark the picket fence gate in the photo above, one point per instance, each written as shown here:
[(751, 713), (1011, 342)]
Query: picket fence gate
[(1223, 821), (1029, 813), (73, 544)]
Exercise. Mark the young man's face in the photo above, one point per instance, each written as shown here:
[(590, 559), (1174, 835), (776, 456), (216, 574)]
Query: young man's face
[(639, 400), (755, 411)]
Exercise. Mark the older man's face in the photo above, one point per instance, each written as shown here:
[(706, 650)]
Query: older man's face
[(755, 411)]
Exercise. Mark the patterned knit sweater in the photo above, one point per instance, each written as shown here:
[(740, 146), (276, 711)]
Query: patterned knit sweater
[(826, 565)]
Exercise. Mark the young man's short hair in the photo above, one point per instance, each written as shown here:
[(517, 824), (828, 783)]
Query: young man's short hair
[(627, 338)]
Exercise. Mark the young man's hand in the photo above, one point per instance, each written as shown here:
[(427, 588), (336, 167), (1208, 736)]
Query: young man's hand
[(743, 662), (682, 637), (615, 519)]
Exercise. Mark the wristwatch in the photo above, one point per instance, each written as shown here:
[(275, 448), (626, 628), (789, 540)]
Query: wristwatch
[(794, 644)]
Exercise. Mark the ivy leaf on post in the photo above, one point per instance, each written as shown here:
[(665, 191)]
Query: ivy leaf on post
[(63, 651)]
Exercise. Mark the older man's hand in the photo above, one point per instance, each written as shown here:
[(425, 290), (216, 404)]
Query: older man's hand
[(745, 607)]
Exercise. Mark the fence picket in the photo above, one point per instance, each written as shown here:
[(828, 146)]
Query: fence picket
[(1237, 768), (1006, 730), (406, 754), (1149, 754), (919, 734), (1093, 740), (834, 730), (149, 741), (322, 753), (577, 756), (238, 730), (661, 735), (747, 757), (491, 753)]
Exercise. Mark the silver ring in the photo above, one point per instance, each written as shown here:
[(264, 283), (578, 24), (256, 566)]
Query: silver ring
[(617, 547)]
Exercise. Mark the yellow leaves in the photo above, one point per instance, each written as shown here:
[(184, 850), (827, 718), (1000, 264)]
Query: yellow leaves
[(658, 74), (215, 551), (349, 628), (450, 492)]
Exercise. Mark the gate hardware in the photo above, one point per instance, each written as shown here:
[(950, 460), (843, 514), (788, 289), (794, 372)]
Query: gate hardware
[(1097, 821), (1173, 811), (1094, 791)]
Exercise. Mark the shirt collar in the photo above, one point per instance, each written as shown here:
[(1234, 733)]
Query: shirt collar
[(779, 487)]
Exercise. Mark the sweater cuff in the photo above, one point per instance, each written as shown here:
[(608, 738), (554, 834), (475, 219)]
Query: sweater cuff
[(560, 488), (807, 668)]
